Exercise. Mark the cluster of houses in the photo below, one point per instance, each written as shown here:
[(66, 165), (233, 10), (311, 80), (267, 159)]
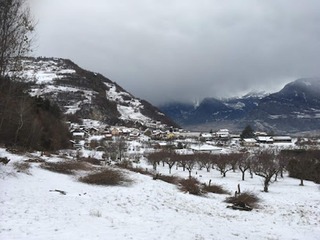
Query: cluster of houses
[(197, 141), (264, 139)]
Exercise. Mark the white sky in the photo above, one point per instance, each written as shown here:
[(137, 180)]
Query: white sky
[(184, 50)]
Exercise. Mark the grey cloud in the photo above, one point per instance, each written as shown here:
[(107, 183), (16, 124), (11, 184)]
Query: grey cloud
[(182, 49)]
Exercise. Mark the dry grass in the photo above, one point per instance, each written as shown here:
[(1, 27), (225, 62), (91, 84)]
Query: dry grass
[(140, 170), (109, 177), (190, 185), (169, 179), (128, 165), (248, 198), (125, 164), (23, 167), (214, 189), (91, 160), (67, 167), (35, 160)]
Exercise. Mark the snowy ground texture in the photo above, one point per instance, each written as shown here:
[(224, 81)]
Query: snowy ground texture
[(149, 209)]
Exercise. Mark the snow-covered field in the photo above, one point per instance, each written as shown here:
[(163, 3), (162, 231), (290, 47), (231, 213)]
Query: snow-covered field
[(150, 209)]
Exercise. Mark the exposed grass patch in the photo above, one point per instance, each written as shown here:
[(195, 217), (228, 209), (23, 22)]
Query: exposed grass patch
[(67, 167), (109, 177), (247, 198), (190, 185), (35, 160), (125, 164), (91, 160), (169, 179), (95, 213), (214, 189), (128, 165), (23, 167), (141, 171)]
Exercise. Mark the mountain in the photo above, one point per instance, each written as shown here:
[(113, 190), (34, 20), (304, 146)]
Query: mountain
[(210, 110), (295, 108), (86, 94)]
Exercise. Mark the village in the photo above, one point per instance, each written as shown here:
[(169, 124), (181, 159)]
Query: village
[(92, 135)]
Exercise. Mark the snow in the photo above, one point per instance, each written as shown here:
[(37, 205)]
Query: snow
[(44, 72), (149, 209), (129, 109), (236, 106)]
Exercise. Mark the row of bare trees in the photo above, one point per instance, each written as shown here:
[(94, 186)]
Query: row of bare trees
[(267, 164)]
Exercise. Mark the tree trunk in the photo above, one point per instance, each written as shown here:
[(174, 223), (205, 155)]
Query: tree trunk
[(266, 185), (301, 182)]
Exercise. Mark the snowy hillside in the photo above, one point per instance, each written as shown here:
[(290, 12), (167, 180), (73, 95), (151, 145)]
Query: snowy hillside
[(149, 209), (86, 94)]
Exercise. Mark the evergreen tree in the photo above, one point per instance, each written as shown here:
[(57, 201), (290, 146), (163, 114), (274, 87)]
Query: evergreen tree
[(247, 132)]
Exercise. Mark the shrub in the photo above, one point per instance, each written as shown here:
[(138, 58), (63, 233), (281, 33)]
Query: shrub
[(125, 164), (168, 179), (4, 160), (67, 167), (190, 185), (35, 160), (140, 170), (90, 160), (110, 177), (248, 198), (214, 189), (23, 167), (95, 213)]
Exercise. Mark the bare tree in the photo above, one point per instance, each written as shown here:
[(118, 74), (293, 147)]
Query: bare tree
[(171, 159), (204, 160), (166, 156), (154, 158), (244, 163), (190, 163), (187, 162), (16, 28), (23, 108), (121, 147), (265, 165), (223, 163)]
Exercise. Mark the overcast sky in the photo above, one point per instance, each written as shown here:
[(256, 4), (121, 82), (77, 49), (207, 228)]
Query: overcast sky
[(184, 50)]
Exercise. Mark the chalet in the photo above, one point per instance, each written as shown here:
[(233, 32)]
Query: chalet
[(282, 139), (249, 142), (264, 139), (79, 135), (93, 130), (223, 133), (206, 136), (260, 134), (205, 148), (126, 131), (134, 134), (115, 132)]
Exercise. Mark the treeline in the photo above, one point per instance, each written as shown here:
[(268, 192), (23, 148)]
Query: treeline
[(29, 122), (303, 164), (268, 164)]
